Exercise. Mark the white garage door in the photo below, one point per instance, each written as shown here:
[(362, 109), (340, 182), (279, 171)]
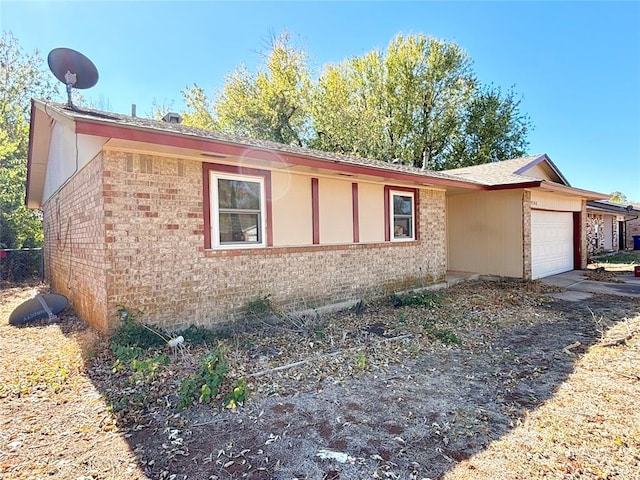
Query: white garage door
[(551, 243)]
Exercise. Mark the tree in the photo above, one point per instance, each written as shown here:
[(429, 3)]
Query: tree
[(21, 77), (619, 197), (418, 101), (493, 129), (270, 104), (345, 109), (403, 103)]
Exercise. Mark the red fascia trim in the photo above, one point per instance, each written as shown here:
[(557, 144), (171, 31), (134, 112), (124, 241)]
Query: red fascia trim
[(266, 174), (315, 211), (356, 213), (387, 220), (387, 210), (215, 146), (206, 205)]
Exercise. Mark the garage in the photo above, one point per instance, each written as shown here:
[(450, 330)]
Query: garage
[(551, 243)]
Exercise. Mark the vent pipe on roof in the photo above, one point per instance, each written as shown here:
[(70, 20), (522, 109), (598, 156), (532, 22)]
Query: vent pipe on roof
[(133, 110), (172, 117)]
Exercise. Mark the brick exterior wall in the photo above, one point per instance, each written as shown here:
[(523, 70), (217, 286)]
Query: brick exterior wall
[(595, 242), (633, 228), (74, 248), (526, 235), (139, 242), (583, 238), (594, 232)]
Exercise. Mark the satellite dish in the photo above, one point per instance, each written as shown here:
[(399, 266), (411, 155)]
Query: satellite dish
[(73, 69)]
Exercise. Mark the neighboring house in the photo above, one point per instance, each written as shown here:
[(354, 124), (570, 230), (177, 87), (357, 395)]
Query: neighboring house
[(632, 226), (189, 225), (608, 226), (529, 221)]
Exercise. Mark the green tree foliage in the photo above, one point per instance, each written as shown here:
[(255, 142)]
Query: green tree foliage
[(418, 101), (403, 103), (21, 77), (619, 197), (200, 108), (493, 129), (270, 105)]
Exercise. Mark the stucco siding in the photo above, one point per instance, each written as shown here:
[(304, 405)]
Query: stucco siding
[(336, 214), (552, 201), (484, 232), (537, 172), (292, 224), (371, 203)]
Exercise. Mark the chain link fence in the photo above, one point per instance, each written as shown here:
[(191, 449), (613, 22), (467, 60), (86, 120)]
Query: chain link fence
[(21, 266)]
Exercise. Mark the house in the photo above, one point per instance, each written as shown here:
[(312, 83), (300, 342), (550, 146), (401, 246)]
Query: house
[(608, 226), (632, 227), (189, 225), (528, 222)]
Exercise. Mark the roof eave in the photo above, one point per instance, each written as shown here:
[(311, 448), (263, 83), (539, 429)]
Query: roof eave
[(587, 194), (209, 145), (613, 209), (513, 186)]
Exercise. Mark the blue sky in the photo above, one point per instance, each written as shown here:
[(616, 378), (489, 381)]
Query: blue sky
[(576, 64)]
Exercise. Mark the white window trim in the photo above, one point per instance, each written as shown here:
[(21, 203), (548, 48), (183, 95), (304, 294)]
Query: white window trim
[(402, 193), (214, 176)]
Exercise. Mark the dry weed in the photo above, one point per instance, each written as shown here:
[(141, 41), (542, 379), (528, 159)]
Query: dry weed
[(590, 428)]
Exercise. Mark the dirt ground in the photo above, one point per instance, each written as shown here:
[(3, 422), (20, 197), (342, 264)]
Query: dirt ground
[(492, 380)]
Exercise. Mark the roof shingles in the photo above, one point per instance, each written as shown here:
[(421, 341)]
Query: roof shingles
[(497, 173), (179, 129)]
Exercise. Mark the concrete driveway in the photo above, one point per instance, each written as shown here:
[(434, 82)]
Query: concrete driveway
[(581, 288)]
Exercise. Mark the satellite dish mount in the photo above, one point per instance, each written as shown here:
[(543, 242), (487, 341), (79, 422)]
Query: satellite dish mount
[(73, 69)]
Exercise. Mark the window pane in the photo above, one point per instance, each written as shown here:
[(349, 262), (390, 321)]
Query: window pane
[(239, 227), (402, 227), (402, 216), (238, 194), (402, 205)]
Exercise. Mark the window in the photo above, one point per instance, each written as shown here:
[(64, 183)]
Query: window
[(237, 210), (401, 215)]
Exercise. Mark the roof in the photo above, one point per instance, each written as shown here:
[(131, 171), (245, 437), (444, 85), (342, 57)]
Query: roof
[(613, 208), (493, 176), (115, 119), (510, 174), (506, 171)]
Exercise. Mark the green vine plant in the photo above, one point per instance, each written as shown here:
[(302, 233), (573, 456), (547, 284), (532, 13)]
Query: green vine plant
[(136, 349), (238, 395), (204, 386)]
